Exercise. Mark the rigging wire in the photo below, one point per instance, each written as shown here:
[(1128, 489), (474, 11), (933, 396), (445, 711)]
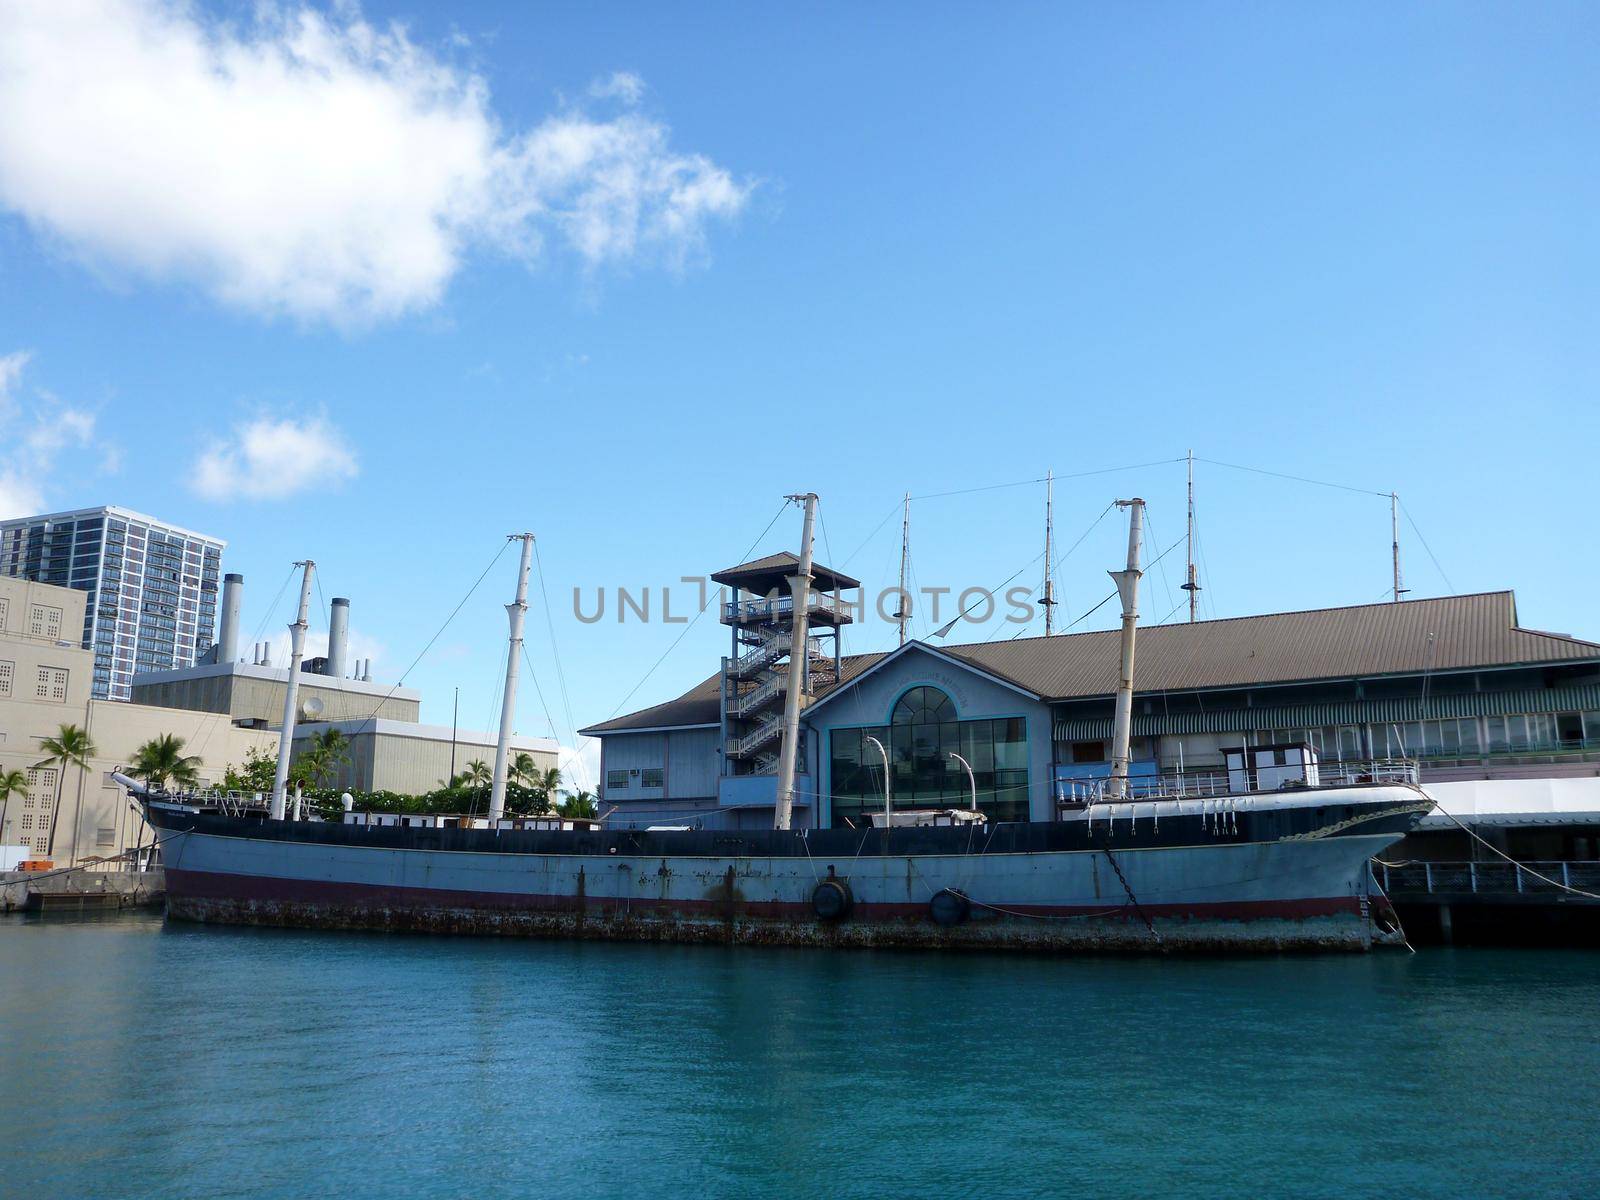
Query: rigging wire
[(696, 618), (1343, 487), (1410, 520), (561, 675), (438, 633), (876, 529)]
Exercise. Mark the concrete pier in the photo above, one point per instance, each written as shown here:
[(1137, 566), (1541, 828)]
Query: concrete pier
[(80, 891)]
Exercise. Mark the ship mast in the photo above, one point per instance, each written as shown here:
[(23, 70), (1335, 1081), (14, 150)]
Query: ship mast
[(1190, 583), (1128, 588), (800, 584), (1394, 544), (517, 611), (291, 693), (904, 613), (1048, 599)]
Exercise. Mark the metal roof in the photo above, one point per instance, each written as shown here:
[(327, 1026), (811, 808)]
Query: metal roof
[(1363, 641), (779, 567)]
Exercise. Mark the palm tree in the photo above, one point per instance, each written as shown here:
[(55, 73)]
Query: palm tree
[(545, 785), (326, 754), (71, 746), (12, 783), (162, 759), (578, 804), (477, 775), (524, 769)]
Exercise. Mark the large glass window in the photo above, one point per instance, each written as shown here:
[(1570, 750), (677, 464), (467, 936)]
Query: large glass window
[(922, 735)]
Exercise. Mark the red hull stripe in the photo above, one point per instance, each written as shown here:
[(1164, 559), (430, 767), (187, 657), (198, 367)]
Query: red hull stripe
[(209, 885)]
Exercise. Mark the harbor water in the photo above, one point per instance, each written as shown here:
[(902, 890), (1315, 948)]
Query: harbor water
[(141, 1059)]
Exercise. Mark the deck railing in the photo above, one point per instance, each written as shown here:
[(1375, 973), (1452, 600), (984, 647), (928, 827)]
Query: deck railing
[(1491, 880), (763, 608), (1077, 793)]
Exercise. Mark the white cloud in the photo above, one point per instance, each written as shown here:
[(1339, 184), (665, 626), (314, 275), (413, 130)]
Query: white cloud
[(48, 430), (11, 366), (621, 85), (312, 164), (269, 459)]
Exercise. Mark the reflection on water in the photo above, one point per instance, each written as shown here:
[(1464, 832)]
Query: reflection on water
[(144, 1060)]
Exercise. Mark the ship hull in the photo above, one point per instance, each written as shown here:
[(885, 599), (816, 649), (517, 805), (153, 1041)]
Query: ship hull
[(1252, 877)]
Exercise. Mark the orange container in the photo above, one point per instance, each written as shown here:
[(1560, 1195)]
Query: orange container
[(35, 864)]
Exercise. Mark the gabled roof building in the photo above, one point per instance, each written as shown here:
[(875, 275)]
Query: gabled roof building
[(1457, 681)]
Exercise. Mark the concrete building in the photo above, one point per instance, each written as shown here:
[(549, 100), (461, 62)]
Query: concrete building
[(1457, 682), (222, 711), (45, 684), (150, 587)]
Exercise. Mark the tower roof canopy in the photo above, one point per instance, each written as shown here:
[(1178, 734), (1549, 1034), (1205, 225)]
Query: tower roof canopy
[(775, 570)]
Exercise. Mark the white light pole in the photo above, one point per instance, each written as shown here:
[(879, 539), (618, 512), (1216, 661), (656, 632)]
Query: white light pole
[(972, 779), (885, 755)]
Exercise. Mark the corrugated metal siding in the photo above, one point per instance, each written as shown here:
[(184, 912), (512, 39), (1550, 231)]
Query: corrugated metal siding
[(692, 764), (1343, 712)]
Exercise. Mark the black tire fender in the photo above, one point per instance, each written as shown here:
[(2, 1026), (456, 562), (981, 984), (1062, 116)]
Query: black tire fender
[(949, 908), (831, 900)]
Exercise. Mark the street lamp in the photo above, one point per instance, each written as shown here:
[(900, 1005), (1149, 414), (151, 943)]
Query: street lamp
[(971, 778), (885, 755)]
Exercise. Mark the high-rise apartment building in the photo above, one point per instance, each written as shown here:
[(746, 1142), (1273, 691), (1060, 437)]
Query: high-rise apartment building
[(152, 603)]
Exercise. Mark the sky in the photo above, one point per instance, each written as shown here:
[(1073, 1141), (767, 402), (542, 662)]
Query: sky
[(379, 285)]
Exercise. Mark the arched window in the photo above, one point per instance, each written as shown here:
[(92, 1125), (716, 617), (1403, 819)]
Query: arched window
[(923, 706), (923, 734)]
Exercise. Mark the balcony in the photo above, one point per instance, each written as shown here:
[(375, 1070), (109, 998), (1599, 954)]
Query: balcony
[(761, 609)]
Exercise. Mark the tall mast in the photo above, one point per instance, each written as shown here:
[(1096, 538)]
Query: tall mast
[(517, 610), (783, 810), (291, 694), (1128, 588), (904, 613), (1394, 544), (1048, 600), (1190, 583)]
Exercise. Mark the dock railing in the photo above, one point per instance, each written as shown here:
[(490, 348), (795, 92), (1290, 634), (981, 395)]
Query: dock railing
[(1443, 882)]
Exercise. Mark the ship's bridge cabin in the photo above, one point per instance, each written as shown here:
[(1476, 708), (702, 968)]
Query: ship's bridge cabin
[(1282, 699)]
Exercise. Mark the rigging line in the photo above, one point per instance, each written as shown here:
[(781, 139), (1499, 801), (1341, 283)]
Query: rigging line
[(1113, 595), (555, 653), (696, 618), (1082, 537), (991, 487), (1166, 584), (1343, 487), (1037, 557), (438, 633), (1410, 520), (875, 531), (543, 703), (1075, 475)]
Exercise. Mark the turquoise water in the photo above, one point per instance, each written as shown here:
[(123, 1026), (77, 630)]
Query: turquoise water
[(142, 1060)]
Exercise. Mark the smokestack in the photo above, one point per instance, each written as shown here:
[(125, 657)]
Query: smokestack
[(228, 628), (338, 636)]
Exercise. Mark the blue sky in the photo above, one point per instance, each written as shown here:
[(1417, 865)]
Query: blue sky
[(860, 251)]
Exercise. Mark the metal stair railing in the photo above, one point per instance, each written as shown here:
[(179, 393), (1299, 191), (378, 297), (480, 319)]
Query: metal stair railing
[(757, 737)]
